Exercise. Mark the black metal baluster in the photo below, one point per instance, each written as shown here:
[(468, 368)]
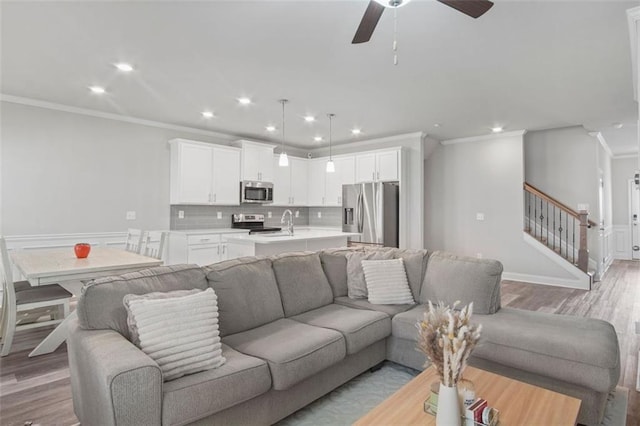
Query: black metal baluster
[(574, 242), (547, 224), (560, 230), (541, 221), (554, 227), (567, 233), (535, 215)]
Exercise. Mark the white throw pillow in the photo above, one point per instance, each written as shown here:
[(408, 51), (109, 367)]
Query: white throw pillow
[(356, 285), (387, 282), (178, 330)]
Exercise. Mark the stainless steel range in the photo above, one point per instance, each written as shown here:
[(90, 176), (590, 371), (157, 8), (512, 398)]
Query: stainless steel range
[(253, 222)]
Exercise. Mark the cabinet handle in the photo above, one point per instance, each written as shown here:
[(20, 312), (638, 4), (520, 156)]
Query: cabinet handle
[(215, 196), (205, 239)]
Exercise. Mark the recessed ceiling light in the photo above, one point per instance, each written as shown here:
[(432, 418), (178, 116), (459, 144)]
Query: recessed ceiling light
[(356, 131), (496, 129), (97, 90), (207, 114), (244, 101), (318, 138), (617, 125), (123, 66), (437, 125), (309, 118), (270, 128)]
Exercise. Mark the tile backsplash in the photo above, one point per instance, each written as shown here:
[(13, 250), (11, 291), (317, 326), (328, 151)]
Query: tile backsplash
[(205, 217)]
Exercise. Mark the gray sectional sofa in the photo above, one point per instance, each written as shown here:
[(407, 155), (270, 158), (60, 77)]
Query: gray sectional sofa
[(291, 334)]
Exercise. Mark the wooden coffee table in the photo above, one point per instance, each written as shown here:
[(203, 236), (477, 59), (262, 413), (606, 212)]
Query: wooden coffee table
[(519, 403)]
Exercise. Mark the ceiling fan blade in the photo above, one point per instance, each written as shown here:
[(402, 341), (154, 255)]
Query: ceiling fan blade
[(369, 21), (473, 8)]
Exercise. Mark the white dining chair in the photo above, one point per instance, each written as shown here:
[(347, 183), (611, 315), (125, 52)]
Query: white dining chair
[(23, 304), (153, 244), (134, 240)]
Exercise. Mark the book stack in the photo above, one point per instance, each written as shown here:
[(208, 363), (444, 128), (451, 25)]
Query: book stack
[(479, 413)]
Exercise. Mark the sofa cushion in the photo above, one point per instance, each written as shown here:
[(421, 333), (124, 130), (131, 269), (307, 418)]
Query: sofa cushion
[(193, 397), (334, 264), (100, 304), (574, 349), (415, 263), (360, 328), (177, 329), (450, 278), (356, 284), (403, 325), (293, 350), (387, 282), (390, 310), (302, 282), (248, 295)]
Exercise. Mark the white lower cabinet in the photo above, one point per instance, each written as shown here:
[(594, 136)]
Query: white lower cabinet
[(196, 247)]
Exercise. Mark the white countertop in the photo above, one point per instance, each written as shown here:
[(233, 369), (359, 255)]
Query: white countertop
[(210, 231), (299, 235)]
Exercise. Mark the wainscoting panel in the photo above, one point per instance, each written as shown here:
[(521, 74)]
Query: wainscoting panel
[(621, 244)]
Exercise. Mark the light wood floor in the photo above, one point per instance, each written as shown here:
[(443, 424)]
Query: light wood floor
[(38, 389)]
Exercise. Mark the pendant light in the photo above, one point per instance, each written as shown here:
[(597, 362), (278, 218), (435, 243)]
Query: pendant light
[(284, 160), (331, 167)]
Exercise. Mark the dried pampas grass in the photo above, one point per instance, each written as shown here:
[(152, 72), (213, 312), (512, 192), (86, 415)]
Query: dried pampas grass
[(447, 338)]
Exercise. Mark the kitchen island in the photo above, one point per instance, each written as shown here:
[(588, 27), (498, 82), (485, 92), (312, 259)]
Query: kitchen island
[(281, 242)]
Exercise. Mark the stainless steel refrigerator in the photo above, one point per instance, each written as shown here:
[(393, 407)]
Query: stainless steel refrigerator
[(371, 209)]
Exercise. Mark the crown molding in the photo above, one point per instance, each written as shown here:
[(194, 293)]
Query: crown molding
[(110, 116), (484, 137), (367, 142), (625, 155), (633, 17)]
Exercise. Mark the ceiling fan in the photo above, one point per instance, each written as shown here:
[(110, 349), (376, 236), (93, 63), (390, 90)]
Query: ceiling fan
[(473, 8)]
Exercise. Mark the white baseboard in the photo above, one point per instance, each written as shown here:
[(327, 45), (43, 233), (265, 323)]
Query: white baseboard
[(541, 279)]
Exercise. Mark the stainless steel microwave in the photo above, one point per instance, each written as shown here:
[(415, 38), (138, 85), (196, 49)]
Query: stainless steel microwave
[(256, 192)]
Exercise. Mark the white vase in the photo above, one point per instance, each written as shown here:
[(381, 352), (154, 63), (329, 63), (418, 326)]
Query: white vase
[(448, 407)]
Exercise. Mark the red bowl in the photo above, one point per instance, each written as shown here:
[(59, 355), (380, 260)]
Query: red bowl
[(82, 250)]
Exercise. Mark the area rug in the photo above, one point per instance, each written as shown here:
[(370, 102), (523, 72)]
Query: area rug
[(357, 397)]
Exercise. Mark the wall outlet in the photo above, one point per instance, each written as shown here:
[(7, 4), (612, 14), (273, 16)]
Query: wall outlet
[(319, 215), (131, 215), (269, 215), (479, 216), (479, 255), (297, 213), (219, 215), (180, 214)]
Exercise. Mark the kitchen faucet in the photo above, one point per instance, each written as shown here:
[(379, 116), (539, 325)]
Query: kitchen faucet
[(289, 222)]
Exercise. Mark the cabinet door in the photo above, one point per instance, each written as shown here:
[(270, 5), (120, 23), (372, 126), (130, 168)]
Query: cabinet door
[(226, 176), (204, 254), (194, 174), (299, 181), (387, 166), (256, 163), (316, 182), (281, 183), (366, 168), (343, 175)]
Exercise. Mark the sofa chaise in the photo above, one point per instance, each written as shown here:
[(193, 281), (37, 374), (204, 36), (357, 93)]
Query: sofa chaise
[(290, 334)]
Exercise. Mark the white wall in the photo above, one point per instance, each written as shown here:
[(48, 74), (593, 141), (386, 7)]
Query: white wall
[(622, 169), (482, 175), (70, 173)]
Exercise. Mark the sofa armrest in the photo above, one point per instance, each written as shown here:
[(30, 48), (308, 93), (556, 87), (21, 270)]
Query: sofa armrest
[(113, 382)]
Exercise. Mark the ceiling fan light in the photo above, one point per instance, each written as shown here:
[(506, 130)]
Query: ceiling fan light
[(392, 3), (284, 160)]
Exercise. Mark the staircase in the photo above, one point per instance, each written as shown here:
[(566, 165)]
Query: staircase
[(558, 227)]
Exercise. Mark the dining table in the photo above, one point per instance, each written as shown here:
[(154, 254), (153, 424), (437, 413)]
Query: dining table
[(60, 265)]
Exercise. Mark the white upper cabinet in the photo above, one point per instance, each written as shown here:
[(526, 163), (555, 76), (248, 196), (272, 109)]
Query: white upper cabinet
[(344, 175), (325, 189), (256, 161), (226, 176), (316, 182), (299, 178), (203, 173), (290, 183), (381, 166)]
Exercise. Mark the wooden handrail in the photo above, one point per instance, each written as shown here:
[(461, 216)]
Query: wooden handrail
[(532, 189)]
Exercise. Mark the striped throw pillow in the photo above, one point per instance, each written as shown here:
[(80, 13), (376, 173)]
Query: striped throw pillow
[(387, 282), (178, 330)]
